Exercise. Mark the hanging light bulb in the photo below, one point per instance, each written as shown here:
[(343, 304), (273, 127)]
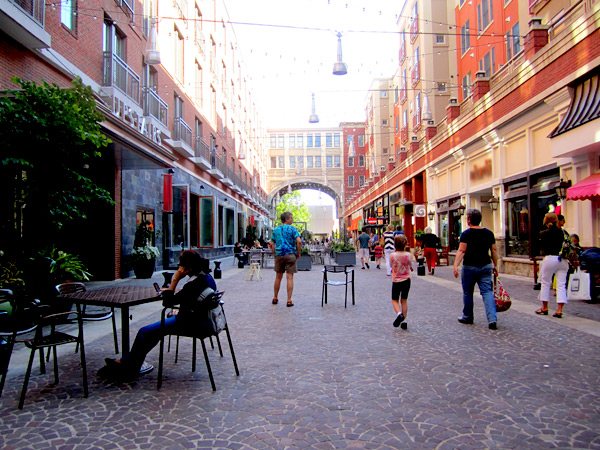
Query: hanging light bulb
[(339, 68), (313, 117), (152, 55)]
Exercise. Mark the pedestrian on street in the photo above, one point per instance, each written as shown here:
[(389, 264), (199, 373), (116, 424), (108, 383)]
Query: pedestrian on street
[(398, 230), (378, 250), (388, 247), (551, 240), (191, 264), (286, 244), (478, 249), (363, 251), (430, 245), (402, 262)]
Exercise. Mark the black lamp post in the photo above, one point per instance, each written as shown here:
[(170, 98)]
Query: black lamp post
[(493, 202), (561, 189), (431, 215), (461, 209)]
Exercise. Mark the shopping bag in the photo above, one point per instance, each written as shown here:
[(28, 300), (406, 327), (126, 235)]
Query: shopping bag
[(579, 286), (503, 302)]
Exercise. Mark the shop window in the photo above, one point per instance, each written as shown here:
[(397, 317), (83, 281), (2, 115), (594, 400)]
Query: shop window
[(517, 239), (206, 222), (175, 227), (229, 226)]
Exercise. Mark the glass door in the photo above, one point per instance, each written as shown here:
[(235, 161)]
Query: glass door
[(176, 227)]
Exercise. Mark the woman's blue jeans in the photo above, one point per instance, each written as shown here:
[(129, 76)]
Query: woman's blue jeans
[(482, 276)]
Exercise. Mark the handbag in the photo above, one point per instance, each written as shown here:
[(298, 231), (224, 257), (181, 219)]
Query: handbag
[(579, 286), (501, 297)]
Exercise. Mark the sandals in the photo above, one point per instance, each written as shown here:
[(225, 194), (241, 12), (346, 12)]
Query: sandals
[(542, 311), (289, 304), (557, 315), (275, 301)]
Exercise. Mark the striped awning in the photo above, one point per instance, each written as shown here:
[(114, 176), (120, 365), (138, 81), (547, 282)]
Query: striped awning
[(584, 107)]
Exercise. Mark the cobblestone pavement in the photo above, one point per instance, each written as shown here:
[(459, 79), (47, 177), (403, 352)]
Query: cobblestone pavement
[(334, 377)]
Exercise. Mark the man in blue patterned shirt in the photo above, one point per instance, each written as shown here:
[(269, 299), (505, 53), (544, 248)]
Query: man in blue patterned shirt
[(286, 245)]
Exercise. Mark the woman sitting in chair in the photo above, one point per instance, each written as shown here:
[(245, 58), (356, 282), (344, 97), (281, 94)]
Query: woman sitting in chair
[(197, 268)]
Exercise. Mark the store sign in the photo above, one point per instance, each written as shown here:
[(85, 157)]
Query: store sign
[(130, 117), (372, 221)]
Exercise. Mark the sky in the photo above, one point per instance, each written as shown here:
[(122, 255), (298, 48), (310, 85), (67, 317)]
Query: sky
[(289, 48)]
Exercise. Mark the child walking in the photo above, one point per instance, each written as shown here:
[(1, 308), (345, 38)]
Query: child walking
[(379, 252), (402, 263)]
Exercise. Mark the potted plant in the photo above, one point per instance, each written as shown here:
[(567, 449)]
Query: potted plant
[(305, 260), (345, 254), (143, 256)]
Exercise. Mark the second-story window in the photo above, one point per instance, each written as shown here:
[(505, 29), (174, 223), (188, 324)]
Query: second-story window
[(361, 140), (350, 161), (513, 42), (68, 15), (361, 160), (350, 180), (465, 38), (329, 161), (178, 54), (318, 140), (485, 15), (309, 162), (336, 139), (328, 140), (309, 140)]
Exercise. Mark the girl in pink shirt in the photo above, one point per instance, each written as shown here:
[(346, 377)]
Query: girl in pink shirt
[(401, 262)]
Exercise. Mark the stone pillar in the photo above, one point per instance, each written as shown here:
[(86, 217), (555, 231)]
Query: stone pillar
[(537, 38), (452, 110), (481, 85)]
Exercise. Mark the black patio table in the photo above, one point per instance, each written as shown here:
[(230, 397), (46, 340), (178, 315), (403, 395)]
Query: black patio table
[(121, 297)]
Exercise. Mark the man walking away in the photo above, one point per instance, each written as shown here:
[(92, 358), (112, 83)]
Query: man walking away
[(286, 244), (363, 251)]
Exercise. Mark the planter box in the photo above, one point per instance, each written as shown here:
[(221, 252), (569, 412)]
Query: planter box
[(345, 258), (144, 269), (304, 262)]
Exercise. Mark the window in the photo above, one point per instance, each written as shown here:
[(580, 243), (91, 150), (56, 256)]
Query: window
[(281, 162), (273, 162), (397, 118), (485, 15), (280, 141), (292, 141), (350, 161), (441, 87), (361, 140), (361, 180), (317, 140), (488, 63), (350, 139), (466, 85), (301, 162), (178, 54), (273, 141), (309, 140), (384, 122), (292, 162), (299, 141), (317, 161), (336, 161), (385, 151), (329, 161), (384, 94), (361, 160), (350, 180), (440, 39), (513, 42), (206, 222), (199, 98), (68, 14), (309, 161), (328, 140), (465, 38)]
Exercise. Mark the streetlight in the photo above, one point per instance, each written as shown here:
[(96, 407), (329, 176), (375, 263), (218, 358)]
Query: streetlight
[(461, 209), (561, 189), (431, 215), (493, 202)]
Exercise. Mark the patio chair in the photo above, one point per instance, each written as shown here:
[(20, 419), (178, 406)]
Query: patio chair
[(97, 314), (15, 320), (336, 272), (49, 334), (216, 317)]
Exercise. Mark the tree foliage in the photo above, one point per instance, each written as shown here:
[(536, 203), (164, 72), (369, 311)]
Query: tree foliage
[(49, 138), (294, 204)]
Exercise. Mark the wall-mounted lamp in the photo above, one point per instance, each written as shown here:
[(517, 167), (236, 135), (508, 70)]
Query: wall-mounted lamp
[(202, 187), (171, 171), (431, 215), (493, 202), (561, 189), (461, 210)]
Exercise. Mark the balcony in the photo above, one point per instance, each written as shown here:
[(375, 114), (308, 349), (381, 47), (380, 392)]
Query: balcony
[(417, 120), (182, 137), (403, 95), (117, 74), (181, 6), (199, 39), (404, 134), (155, 107), (414, 29), (23, 20), (201, 154)]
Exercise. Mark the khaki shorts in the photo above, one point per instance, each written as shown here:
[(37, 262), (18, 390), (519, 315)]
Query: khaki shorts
[(363, 253), (286, 263)]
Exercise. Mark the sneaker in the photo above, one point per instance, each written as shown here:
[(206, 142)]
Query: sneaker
[(367, 264), (492, 326), (404, 325), (362, 268), (399, 319), (432, 271), (146, 368), (466, 320)]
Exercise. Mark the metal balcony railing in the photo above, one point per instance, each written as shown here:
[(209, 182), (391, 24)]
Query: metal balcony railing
[(199, 37), (414, 28), (120, 75), (415, 74), (33, 8), (202, 149), (182, 131), (155, 106)]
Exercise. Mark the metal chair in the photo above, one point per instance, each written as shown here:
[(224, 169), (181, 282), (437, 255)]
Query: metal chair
[(96, 315), (202, 333), (48, 335), (337, 271), (14, 321)]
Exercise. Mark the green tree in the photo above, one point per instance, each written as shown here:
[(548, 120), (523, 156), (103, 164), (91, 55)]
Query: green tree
[(294, 204), (49, 138)]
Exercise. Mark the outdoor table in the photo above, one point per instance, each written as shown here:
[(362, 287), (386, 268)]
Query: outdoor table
[(117, 297)]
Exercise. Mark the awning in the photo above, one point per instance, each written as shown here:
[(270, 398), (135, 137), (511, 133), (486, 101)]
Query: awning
[(586, 189), (355, 223)]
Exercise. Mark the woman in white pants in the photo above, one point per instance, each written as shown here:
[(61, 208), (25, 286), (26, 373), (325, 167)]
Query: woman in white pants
[(388, 247), (553, 265)]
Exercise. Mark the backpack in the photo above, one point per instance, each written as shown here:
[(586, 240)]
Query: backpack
[(204, 302), (216, 317)]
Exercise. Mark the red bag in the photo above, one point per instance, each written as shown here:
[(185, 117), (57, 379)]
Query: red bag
[(501, 297)]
